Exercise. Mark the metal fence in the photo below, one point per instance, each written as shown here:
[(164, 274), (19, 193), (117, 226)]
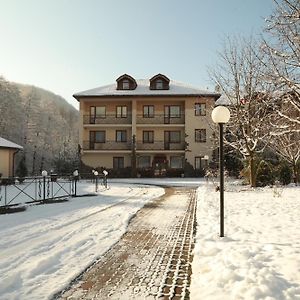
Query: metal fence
[(16, 191)]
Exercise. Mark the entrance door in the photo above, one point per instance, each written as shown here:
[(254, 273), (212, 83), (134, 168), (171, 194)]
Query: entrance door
[(160, 165)]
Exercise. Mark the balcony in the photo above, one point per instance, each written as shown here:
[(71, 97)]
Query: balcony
[(160, 145), (107, 119), (113, 145), (108, 145), (160, 119)]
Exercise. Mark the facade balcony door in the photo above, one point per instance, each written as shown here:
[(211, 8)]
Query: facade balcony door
[(171, 138), (171, 111)]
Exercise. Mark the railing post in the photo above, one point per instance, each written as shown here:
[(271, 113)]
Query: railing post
[(75, 178), (105, 173), (96, 175), (44, 174)]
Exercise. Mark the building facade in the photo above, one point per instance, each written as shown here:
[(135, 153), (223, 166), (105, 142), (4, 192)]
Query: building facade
[(8, 150), (156, 124)]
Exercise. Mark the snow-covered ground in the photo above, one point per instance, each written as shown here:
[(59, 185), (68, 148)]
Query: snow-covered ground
[(43, 248), (259, 257)]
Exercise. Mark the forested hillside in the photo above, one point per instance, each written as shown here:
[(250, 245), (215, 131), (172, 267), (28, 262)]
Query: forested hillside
[(42, 122)]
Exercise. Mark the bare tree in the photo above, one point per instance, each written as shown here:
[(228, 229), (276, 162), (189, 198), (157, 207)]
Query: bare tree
[(283, 49), (287, 146), (239, 76)]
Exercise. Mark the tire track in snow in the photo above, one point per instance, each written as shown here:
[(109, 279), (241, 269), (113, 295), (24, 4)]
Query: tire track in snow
[(36, 234)]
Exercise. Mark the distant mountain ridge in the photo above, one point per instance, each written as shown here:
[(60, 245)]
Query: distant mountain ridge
[(45, 124)]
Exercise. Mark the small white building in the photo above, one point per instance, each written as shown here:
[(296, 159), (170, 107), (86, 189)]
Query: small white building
[(8, 150)]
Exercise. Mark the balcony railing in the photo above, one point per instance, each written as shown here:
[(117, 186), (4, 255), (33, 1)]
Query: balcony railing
[(108, 145), (112, 145), (160, 145), (107, 119), (160, 119)]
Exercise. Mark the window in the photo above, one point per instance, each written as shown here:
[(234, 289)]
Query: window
[(97, 136), (121, 112), (148, 136), (172, 111), (144, 162), (148, 111), (159, 84), (200, 109), (121, 136), (97, 112), (176, 162), (172, 137), (200, 135), (118, 162), (125, 84), (198, 162)]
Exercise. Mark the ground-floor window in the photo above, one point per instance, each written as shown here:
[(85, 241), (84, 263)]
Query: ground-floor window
[(200, 162), (118, 162), (176, 162), (144, 162)]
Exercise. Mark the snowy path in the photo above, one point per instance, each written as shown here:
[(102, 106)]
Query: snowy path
[(45, 247), (153, 258)]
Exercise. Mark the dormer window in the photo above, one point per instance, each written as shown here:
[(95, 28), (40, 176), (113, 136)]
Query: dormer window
[(126, 82), (159, 82)]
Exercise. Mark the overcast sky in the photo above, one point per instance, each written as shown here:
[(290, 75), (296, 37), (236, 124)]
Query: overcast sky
[(67, 46)]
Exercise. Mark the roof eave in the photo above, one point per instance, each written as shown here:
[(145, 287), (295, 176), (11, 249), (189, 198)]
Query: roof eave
[(77, 97)]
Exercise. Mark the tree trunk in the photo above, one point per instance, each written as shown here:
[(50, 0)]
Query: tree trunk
[(295, 173), (252, 172)]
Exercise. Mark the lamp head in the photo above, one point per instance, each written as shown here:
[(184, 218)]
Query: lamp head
[(220, 114)]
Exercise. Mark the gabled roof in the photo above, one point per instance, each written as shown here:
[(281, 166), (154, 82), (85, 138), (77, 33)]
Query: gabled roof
[(8, 144), (125, 76), (142, 89), (160, 76)]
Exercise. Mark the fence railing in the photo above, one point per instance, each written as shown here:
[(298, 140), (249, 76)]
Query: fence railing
[(16, 191)]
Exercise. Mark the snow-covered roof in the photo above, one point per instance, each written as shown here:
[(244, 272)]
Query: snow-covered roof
[(142, 89), (8, 144), (223, 100)]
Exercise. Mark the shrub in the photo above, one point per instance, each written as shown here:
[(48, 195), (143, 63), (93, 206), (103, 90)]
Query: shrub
[(265, 174), (188, 170), (174, 172), (285, 174)]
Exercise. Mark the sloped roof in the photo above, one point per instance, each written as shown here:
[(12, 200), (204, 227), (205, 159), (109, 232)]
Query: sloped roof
[(176, 89), (8, 144), (223, 100)]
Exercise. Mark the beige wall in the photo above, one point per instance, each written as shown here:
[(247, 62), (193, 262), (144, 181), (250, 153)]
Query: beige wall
[(6, 162), (193, 122), (105, 160)]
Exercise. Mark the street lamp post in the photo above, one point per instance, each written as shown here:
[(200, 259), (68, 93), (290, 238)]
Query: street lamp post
[(220, 115)]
